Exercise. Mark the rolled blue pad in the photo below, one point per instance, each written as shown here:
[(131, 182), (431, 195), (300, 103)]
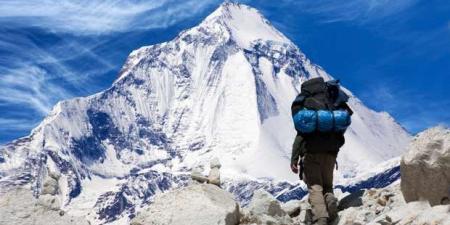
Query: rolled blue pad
[(305, 121), (325, 118), (341, 120)]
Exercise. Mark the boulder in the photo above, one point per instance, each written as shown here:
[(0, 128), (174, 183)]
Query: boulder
[(197, 204), (20, 207), (214, 173), (425, 168), (292, 208), (50, 186), (265, 209)]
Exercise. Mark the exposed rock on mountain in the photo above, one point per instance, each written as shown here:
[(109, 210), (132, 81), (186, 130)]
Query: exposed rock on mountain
[(425, 168)]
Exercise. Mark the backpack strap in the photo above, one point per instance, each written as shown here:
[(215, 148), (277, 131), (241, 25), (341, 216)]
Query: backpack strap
[(302, 168), (299, 99)]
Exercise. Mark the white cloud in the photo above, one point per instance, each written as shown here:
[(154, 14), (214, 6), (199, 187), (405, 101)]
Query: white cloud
[(83, 17), (30, 87)]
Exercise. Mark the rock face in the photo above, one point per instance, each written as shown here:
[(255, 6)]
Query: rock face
[(198, 204), (21, 208), (265, 209), (425, 168)]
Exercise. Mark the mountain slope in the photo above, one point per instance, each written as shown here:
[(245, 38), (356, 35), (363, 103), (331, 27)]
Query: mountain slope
[(221, 89)]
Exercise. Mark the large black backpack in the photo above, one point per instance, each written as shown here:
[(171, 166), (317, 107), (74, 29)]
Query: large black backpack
[(316, 94)]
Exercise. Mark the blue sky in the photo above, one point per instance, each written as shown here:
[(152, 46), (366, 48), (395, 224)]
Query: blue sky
[(393, 54)]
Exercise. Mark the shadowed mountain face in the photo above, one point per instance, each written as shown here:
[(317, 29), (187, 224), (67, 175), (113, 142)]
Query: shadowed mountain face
[(221, 89)]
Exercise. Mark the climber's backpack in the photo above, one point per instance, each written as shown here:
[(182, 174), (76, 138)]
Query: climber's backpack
[(321, 115)]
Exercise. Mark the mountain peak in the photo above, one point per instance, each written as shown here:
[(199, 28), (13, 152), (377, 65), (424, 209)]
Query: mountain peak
[(245, 24)]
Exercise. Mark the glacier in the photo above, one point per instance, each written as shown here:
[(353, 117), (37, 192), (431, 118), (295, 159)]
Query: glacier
[(220, 89)]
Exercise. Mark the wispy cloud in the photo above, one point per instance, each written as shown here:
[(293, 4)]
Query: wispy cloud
[(30, 87), (359, 11), (52, 50), (36, 77), (83, 17), (14, 125), (415, 111)]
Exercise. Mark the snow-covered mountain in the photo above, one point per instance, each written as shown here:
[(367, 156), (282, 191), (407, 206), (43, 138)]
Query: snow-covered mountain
[(220, 89)]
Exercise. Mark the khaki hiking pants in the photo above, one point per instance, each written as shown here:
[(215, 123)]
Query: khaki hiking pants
[(318, 171)]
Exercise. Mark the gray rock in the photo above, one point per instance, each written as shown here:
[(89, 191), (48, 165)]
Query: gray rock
[(19, 207), (197, 204), (54, 174), (197, 175), (214, 176), (50, 186), (214, 173), (425, 168), (265, 209), (215, 163), (352, 200), (292, 208), (49, 201)]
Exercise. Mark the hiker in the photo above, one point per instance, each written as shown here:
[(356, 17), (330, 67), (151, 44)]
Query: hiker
[(321, 116)]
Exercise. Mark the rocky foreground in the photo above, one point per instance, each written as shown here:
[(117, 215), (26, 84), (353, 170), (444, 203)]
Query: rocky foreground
[(429, 155), (205, 204), (420, 198)]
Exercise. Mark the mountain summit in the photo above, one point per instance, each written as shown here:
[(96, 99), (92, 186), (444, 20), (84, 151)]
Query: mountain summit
[(220, 89)]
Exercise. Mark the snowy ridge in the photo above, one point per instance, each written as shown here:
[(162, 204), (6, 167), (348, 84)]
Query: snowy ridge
[(220, 89)]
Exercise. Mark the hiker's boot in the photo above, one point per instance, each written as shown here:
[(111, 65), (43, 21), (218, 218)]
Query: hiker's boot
[(321, 221), (332, 206)]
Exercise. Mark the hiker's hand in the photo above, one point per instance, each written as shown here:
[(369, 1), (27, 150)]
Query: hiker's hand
[(294, 168)]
